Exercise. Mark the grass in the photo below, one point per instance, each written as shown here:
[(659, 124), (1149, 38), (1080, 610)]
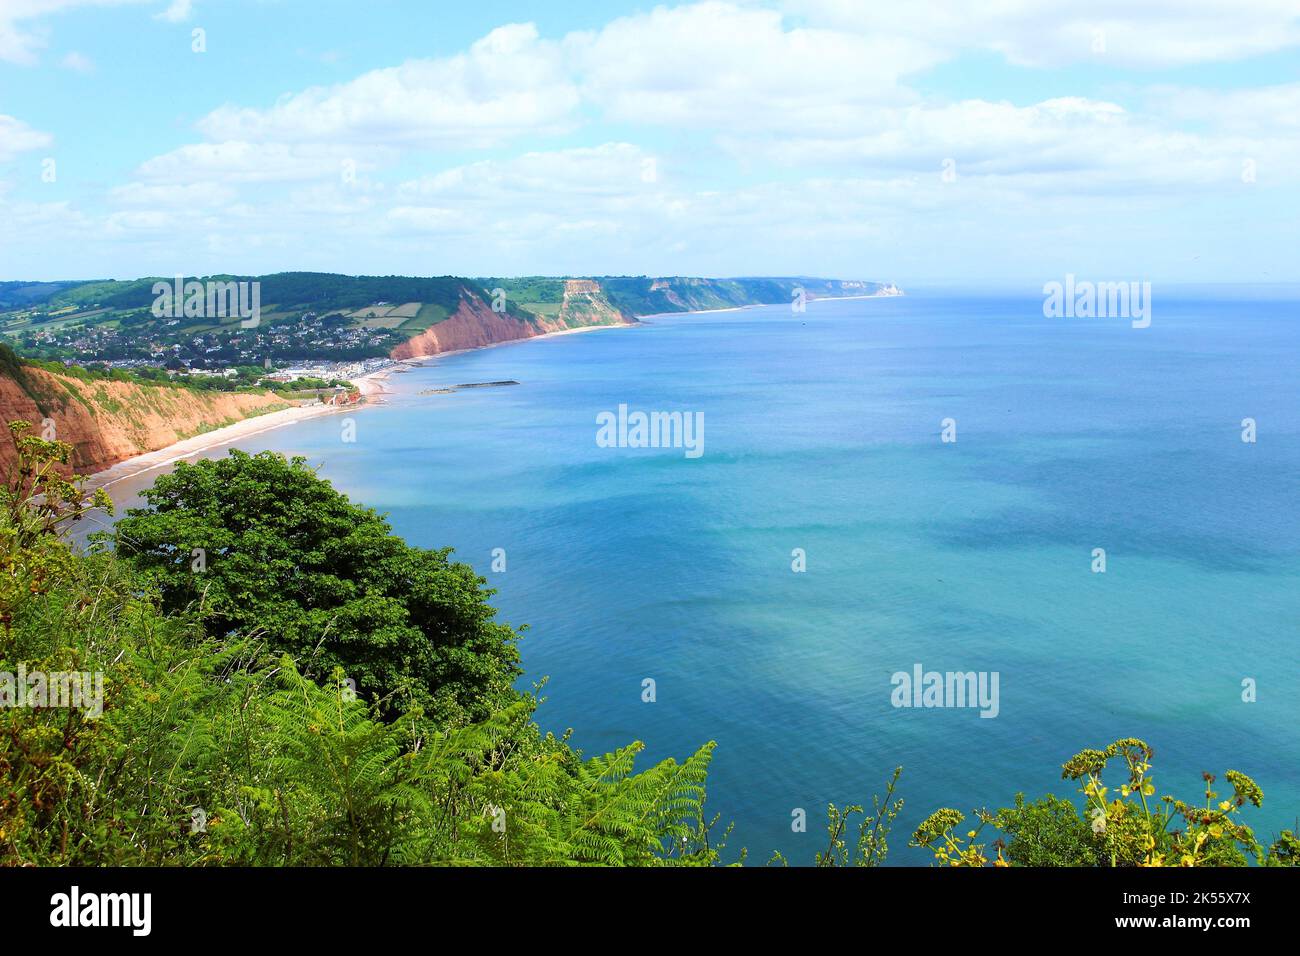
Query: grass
[(431, 313), (548, 309)]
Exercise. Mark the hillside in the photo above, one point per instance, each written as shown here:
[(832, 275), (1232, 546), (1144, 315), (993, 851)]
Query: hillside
[(324, 316), (642, 295), (647, 295), (109, 421)]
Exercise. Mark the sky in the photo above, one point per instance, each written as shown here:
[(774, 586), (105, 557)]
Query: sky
[(930, 141)]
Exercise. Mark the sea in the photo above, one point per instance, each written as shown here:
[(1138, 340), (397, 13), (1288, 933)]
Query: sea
[(1097, 521)]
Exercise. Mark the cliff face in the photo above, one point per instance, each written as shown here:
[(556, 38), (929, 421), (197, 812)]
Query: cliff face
[(106, 422), (643, 295), (474, 324), (611, 300), (471, 326), (585, 304)]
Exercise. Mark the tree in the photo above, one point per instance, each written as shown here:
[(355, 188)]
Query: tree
[(263, 547)]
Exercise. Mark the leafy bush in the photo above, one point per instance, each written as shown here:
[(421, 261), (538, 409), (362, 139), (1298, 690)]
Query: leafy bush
[(1122, 828), (262, 547), (1047, 832)]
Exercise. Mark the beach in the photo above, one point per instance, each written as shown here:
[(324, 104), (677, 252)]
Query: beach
[(373, 387), (163, 457)]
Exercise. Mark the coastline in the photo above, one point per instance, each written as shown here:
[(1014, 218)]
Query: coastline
[(373, 387), (162, 457), (763, 305)]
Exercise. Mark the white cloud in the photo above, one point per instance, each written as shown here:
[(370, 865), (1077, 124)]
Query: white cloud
[(1259, 111), (21, 40), (1044, 33), (584, 192), (716, 64), (242, 162), (610, 170), (173, 196), (1063, 144), (178, 11), (1063, 134), (17, 137), (37, 230), (832, 94), (509, 83), (77, 62), (600, 195)]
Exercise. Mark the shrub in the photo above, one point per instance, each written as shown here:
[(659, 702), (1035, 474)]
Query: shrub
[(262, 547)]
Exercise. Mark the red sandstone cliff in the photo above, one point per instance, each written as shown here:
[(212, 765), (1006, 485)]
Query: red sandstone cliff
[(107, 422), (474, 324), (471, 326)]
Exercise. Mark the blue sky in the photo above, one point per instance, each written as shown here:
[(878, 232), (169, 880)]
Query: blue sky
[(935, 141)]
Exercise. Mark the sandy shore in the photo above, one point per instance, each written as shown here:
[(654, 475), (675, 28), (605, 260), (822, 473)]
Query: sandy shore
[(373, 386), (164, 457)]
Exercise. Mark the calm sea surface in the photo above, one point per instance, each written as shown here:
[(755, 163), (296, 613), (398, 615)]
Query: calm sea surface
[(822, 431)]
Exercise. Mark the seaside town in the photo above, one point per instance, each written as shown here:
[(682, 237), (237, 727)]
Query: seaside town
[(142, 341), (311, 358)]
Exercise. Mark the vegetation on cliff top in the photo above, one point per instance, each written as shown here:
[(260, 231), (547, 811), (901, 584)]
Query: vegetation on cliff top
[(246, 380)]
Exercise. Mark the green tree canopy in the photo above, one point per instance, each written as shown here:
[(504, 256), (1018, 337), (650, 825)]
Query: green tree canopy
[(262, 546)]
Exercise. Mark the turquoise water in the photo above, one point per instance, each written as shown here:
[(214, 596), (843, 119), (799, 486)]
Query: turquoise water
[(822, 432)]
